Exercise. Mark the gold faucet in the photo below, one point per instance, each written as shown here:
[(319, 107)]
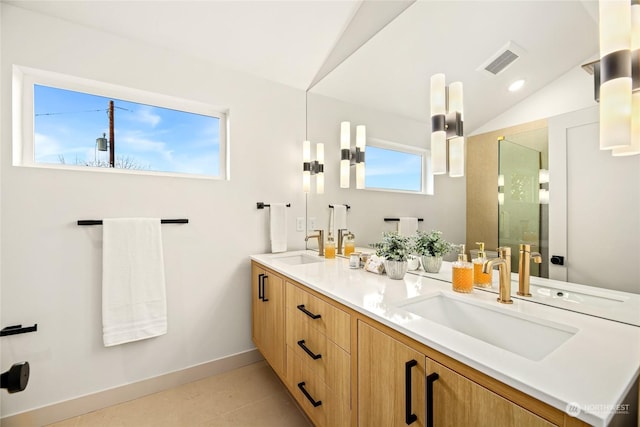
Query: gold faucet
[(340, 240), (320, 237), (525, 268), (504, 267)]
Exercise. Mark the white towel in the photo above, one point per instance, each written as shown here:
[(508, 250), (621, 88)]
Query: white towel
[(339, 218), (134, 305), (278, 227), (407, 226)]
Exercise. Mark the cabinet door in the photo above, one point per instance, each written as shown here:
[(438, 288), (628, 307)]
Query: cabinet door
[(459, 402), (390, 381), (267, 296)]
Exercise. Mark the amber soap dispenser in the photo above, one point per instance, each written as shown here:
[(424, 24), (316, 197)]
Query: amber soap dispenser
[(462, 278), (480, 279)]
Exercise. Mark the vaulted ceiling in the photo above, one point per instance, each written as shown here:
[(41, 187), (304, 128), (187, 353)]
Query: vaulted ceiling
[(387, 65)]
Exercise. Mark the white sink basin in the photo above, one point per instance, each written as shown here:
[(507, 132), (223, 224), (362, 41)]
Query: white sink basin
[(527, 336), (299, 259)]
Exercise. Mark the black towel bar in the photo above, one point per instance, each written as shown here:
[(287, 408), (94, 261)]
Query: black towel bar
[(162, 221), (17, 329), (262, 205), (348, 207), (398, 219)]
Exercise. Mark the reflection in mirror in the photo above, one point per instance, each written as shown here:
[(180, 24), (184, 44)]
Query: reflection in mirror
[(522, 215), (384, 85)]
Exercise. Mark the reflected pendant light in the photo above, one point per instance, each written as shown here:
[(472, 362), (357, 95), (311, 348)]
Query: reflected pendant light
[(345, 153), (361, 143), (446, 127), (438, 123)]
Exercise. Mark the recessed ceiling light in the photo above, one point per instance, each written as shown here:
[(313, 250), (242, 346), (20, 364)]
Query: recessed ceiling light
[(517, 85)]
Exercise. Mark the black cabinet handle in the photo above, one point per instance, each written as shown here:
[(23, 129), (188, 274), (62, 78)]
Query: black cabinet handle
[(315, 403), (260, 278), (309, 352), (308, 313), (431, 378), (264, 288), (410, 417)]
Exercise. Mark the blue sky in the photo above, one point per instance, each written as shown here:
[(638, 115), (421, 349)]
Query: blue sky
[(67, 124), (392, 169)]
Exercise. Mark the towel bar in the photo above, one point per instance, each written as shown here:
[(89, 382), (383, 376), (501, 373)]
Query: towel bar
[(262, 205), (347, 206), (17, 329), (398, 219), (162, 221)]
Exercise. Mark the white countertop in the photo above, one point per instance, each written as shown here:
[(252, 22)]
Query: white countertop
[(595, 368)]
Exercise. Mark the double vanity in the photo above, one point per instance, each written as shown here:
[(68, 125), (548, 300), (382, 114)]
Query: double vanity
[(359, 349)]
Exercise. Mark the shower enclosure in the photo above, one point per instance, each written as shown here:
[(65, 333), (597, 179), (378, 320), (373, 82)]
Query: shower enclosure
[(523, 196)]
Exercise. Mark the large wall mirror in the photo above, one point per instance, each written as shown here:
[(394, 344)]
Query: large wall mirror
[(385, 85)]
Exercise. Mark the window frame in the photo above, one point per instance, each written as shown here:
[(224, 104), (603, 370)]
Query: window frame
[(426, 179), (24, 79)]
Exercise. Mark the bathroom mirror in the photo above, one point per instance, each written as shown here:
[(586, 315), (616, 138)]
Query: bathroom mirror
[(384, 85)]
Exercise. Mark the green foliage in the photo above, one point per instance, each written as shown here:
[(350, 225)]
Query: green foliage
[(431, 243), (394, 247)]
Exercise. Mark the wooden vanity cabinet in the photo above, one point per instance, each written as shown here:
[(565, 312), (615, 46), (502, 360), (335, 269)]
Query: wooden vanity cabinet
[(318, 341), (345, 369), (267, 325), (399, 386)]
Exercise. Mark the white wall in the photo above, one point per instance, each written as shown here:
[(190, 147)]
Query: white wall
[(570, 92), (51, 268), (444, 211)]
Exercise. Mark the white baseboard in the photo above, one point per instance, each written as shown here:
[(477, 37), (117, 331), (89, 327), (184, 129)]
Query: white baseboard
[(92, 402)]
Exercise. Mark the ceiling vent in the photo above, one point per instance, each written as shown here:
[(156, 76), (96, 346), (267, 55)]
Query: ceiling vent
[(502, 59)]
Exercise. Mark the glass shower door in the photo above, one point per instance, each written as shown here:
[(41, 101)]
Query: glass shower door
[(518, 199)]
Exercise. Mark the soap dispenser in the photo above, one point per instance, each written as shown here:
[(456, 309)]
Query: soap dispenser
[(349, 244), (462, 277), (480, 279), (330, 248)]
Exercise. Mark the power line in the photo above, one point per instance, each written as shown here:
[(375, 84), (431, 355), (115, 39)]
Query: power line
[(80, 112), (69, 112)]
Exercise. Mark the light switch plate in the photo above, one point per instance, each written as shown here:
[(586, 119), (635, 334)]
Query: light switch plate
[(312, 223), (300, 223)]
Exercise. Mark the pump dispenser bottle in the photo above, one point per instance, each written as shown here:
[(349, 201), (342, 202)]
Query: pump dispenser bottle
[(330, 248), (480, 279), (462, 279), (349, 244)]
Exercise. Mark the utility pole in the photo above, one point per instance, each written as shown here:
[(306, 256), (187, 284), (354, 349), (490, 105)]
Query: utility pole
[(112, 139)]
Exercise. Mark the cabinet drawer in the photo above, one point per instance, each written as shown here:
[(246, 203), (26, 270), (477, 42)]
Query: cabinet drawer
[(323, 406), (322, 316), (323, 357)]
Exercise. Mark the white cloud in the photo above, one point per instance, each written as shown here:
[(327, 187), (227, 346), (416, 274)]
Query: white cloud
[(145, 115), (46, 145)]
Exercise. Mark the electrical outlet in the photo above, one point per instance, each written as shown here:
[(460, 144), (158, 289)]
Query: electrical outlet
[(300, 223), (312, 223)]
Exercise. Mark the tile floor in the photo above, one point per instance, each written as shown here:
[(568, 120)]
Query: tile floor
[(248, 396)]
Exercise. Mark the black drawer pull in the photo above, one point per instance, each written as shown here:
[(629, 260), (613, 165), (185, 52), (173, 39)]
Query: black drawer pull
[(260, 277), (410, 417), (264, 288), (431, 378), (315, 403), (308, 313), (309, 352)]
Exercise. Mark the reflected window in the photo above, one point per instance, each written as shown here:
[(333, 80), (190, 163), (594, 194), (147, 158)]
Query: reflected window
[(396, 167)]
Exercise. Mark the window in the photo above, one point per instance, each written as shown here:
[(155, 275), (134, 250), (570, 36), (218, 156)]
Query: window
[(396, 167), (69, 122)]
